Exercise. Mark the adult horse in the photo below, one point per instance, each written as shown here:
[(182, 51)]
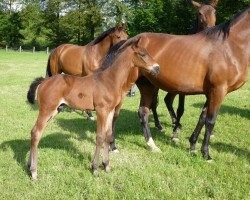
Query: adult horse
[(206, 17), (103, 91), (84, 60), (213, 62)]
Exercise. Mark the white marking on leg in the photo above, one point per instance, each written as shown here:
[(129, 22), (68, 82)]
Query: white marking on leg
[(152, 145)]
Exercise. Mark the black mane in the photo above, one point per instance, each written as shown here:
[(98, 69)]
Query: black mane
[(224, 28), (103, 35)]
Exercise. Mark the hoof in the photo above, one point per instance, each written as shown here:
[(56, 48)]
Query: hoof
[(115, 151), (212, 136), (175, 139), (95, 173), (210, 161), (155, 149), (34, 176), (91, 118), (193, 151), (107, 169)]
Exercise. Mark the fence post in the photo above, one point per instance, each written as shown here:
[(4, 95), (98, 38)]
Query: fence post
[(47, 50), (20, 49), (6, 48), (34, 49)]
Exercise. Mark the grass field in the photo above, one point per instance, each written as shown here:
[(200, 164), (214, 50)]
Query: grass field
[(67, 146)]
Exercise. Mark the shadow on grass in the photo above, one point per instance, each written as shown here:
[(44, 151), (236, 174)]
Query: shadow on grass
[(53, 141), (228, 148), (232, 110)]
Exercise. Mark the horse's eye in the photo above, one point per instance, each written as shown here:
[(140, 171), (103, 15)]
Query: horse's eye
[(118, 36), (143, 55)]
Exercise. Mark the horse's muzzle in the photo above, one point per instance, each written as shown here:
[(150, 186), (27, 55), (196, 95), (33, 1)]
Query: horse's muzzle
[(155, 70)]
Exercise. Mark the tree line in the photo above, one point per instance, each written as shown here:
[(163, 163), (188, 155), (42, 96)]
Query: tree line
[(49, 23)]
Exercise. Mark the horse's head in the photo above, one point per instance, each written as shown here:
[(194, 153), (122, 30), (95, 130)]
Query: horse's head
[(142, 59), (118, 34), (206, 14)]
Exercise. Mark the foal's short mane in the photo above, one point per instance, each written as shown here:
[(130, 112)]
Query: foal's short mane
[(224, 28), (115, 51), (104, 34)]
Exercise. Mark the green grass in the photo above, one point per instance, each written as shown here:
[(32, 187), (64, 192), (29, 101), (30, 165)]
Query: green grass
[(67, 147)]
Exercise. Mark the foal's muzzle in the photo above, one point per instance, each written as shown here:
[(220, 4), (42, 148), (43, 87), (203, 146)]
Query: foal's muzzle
[(155, 70)]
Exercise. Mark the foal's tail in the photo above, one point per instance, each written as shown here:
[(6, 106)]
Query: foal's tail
[(31, 95)]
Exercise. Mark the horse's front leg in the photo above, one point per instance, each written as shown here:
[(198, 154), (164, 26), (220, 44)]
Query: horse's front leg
[(104, 124), (216, 97), (194, 137)]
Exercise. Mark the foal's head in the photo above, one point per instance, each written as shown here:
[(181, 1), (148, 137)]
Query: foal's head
[(206, 14), (118, 34), (141, 57)]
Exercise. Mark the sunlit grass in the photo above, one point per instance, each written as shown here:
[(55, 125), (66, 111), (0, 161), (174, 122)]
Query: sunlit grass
[(67, 146)]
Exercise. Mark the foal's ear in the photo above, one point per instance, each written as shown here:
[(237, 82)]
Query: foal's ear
[(136, 42), (196, 4)]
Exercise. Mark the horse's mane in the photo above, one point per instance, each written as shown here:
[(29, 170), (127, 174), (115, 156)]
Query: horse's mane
[(110, 57), (103, 35), (222, 30), (115, 51)]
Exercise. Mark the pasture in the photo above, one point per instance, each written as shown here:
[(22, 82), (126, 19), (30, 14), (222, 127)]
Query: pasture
[(67, 147)]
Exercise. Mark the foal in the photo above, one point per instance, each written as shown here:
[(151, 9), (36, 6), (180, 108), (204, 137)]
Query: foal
[(104, 92)]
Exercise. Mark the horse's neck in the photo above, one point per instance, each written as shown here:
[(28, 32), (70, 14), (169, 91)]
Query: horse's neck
[(120, 74), (102, 48), (239, 36)]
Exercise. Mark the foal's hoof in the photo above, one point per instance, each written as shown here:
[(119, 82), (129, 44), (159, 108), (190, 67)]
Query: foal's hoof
[(34, 176), (210, 160), (155, 149), (95, 173), (175, 139), (107, 169)]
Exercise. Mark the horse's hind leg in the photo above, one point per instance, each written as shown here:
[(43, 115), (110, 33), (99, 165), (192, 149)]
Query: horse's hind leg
[(154, 111), (36, 133), (169, 98), (180, 112), (112, 140)]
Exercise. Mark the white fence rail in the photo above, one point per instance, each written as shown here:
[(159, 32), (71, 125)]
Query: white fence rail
[(23, 49)]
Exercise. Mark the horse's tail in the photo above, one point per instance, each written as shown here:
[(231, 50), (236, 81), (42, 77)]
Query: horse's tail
[(48, 70), (31, 95)]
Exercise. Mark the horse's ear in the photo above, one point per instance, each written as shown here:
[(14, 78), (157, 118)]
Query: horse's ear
[(196, 4), (124, 26), (136, 42), (214, 3), (116, 26)]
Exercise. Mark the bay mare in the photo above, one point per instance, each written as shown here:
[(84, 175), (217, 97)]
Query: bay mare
[(213, 62), (84, 60), (103, 91), (206, 17)]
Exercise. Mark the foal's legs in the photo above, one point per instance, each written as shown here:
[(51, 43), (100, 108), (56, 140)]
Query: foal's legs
[(104, 132), (112, 141), (42, 121)]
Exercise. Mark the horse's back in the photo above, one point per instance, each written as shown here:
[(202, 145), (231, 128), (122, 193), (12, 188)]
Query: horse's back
[(182, 62)]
